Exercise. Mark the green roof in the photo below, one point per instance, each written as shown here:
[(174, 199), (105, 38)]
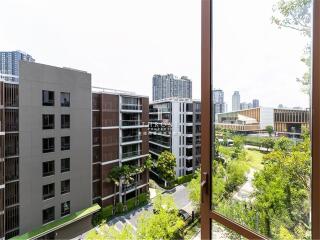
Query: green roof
[(55, 225)]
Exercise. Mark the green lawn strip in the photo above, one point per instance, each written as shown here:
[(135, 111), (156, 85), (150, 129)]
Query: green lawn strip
[(254, 159), (55, 225)]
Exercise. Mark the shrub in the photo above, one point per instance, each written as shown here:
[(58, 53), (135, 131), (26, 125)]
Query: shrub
[(184, 179), (119, 208), (104, 214)]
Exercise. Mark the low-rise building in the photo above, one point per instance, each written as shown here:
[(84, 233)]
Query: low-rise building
[(283, 121)]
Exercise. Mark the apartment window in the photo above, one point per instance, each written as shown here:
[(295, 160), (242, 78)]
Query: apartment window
[(65, 186), (65, 99), (65, 143), (65, 121), (65, 208), (47, 145), (48, 191), (48, 121), (48, 168), (47, 215), (47, 98), (65, 165)]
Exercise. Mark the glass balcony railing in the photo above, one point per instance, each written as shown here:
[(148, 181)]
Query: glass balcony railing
[(131, 154), (131, 138), (126, 123), (131, 107)]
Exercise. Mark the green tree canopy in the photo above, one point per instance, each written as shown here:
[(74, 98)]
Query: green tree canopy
[(165, 166)]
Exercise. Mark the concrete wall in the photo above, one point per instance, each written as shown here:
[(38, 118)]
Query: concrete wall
[(33, 79)]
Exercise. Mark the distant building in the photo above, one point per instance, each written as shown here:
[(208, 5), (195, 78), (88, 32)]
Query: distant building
[(236, 101), (167, 86), (175, 125), (250, 105), (255, 103), (9, 64), (244, 105), (257, 119), (219, 106), (281, 106)]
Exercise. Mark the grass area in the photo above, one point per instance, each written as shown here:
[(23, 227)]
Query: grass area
[(254, 159)]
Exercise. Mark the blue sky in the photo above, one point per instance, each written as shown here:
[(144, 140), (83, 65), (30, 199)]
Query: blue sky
[(124, 42)]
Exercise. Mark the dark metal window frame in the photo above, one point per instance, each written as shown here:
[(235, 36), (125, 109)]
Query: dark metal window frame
[(64, 162), (65, 121), (46, 166), (65, 143), (47, 98), (49, 214), (65, 186), (65, 99), (47, 121), (207, 214)]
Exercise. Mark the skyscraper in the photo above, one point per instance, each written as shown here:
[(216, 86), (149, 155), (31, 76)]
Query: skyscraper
[(9, 64), (236, 101), (167, 86), (219, 106), (244, 105), (255, 103)]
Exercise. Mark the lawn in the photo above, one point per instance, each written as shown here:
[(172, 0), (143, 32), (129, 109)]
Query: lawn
[(254, 159)]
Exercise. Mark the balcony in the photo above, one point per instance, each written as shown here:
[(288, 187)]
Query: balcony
[(129, 139), (132, 154), (131, 108), (131, 123)]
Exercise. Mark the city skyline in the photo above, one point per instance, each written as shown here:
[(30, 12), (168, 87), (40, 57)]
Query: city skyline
[(143, 55)]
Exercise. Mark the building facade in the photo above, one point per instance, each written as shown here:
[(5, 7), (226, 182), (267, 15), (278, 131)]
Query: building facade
[(255, 103), (166, 86), (9, 64), (49, 148), (175, 125), (283, 121), (236, 101), (219, 106), (120, 137)]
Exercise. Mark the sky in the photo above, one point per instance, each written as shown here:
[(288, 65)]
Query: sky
[(122, 43)]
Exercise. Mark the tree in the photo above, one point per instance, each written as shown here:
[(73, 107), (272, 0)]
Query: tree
[(296, 15), (163, 225), (194, 190), (267, 143), (114, 176), (269, 130), (165, 166)]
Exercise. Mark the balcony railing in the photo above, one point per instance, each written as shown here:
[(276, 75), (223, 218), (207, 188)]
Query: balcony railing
[(131, 107), (131, 122), (131, 138), (131, 154)]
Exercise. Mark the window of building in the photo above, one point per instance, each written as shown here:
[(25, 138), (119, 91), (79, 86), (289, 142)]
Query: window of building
[(65, 186), (65, 121), (65, 208), (47, 215), (48, 121), (48, 168), (47, 145), (65, 165), (48, 191), (47, 98), (65, 143), (65, 99)]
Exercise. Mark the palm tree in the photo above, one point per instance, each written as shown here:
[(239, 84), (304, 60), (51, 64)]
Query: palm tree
[(114, 176), (126, 179)]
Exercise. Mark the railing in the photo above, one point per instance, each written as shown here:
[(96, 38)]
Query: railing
[(131, 107), (131, 138), (131, 122), (131, 154), (165, 143)]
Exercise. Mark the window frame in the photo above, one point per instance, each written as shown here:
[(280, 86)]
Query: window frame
[(48, 150), (63, 103), (62, 119), (63, 183), (206, 212), (48, 125), (62, 170), (48, 173), (64, 146), (50, 220), (47, 196), (49, 103)]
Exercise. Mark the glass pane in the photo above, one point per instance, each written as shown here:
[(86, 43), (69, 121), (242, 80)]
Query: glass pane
[(261, 113)]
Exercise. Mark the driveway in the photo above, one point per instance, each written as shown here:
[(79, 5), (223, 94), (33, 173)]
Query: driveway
[(179, 194)]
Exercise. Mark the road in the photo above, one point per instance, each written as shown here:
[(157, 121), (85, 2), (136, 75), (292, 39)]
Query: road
[(179, 194)]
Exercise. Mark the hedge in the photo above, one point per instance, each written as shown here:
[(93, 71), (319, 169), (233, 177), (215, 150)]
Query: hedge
[(184, 179), (106, 212)]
